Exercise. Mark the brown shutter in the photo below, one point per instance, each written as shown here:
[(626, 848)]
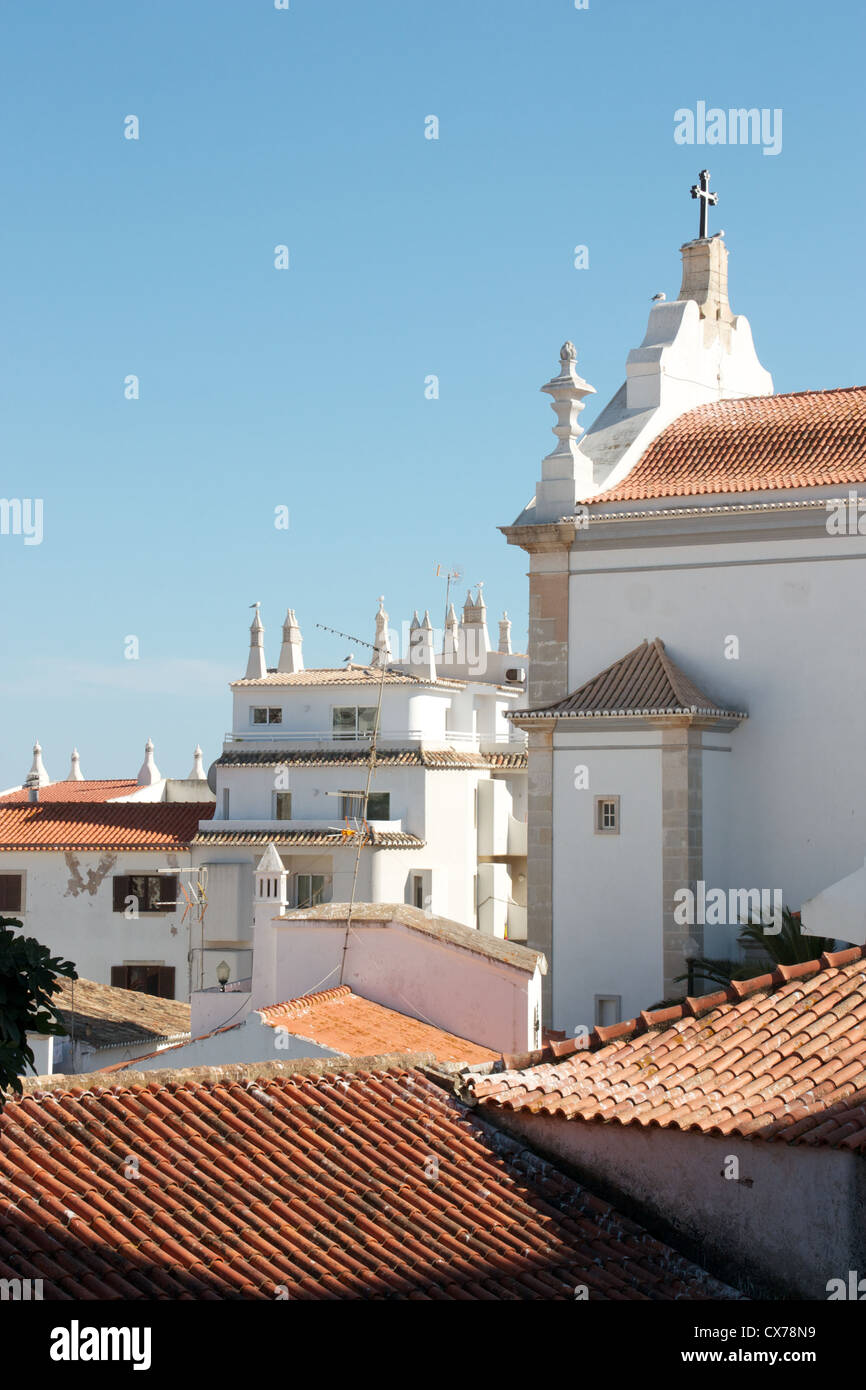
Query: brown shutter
[(121, 892), (119, 973), (166, 982), (10, 892)]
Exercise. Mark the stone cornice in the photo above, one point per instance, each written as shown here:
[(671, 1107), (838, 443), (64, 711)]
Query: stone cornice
[(543, 537)]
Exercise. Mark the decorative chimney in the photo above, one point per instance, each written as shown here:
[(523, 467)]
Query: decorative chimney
[(256, 664), (37, 776), (148, 774), (291, 656), (474, 634), (421, 659), (382, 644), (75, 773), (505, 634), (451, 640), (198, 773)]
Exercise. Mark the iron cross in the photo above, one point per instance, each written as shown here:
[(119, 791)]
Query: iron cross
[(702, 190)]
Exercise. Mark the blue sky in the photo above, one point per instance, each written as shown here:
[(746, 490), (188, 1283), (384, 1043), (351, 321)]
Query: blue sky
[(408, 257)]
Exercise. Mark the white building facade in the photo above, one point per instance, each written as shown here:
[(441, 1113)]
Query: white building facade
[(695, 594), (423, 743)]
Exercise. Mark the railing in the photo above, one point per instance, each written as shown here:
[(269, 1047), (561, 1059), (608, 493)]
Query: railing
[(318, 737)]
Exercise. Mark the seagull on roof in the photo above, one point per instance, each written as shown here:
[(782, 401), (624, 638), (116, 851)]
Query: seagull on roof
[(658, 298)]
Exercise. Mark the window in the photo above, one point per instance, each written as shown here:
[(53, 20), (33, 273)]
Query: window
[(608, 1009), (282, 805), (418, 890), (312, 889), (152, 893), (11, 892), (266, 714), (146, 979), (352, 721), (378, 805), (607, 815), (226, 800)]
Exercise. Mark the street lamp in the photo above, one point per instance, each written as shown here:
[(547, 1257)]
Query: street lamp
[(223, 971)]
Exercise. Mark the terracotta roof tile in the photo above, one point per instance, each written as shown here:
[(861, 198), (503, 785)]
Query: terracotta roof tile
[(644, 681), (338, 675), (435, 759), (77, 791), (353, 1185), (384, 839), (761, 443), (346, 1022), (78, 825), (781, 1060)]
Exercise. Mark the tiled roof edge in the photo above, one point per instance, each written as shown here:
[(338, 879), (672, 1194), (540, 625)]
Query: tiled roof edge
[(228, 1074), (691, 1007)]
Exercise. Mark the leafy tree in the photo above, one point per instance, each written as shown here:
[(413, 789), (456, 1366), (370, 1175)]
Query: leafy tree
[(28, 979)]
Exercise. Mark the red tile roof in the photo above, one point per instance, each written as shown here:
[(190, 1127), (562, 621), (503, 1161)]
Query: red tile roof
[(348, 1023), (383, 839), (435, 759), (77, 791), (761, 443), (780, 1057), (340, 1185), (644, 681), (344, 675), (58, 825)]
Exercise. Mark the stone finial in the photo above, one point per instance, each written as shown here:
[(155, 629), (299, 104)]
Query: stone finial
[(148, 774), (37, 776), (568, 390), (382, 644), (505, 634), (198, 773), (256, 667), (291, 651), (75, 773)]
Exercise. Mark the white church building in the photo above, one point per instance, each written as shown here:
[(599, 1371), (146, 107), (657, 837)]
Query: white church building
[(697, 572)]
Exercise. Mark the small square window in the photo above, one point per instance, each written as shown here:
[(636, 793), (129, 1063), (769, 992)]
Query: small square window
[(275, 715), (259, 714), (607, 815), (608, 1010)]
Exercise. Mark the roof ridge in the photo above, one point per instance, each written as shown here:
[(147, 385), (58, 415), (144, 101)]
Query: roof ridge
[(693, 1006), (225, 1074), (302, 1003)]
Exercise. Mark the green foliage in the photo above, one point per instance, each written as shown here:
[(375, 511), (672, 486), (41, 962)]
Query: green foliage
[(787, 947), (28, 979)]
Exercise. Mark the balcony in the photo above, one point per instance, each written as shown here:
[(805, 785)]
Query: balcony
[(514, 741)]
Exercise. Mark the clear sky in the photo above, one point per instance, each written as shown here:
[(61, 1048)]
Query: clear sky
[(408, 257)]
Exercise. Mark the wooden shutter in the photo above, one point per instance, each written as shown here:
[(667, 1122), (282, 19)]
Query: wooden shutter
[(10, 893), (121, 892), (166, 982), (119, 973), (168, 893)]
